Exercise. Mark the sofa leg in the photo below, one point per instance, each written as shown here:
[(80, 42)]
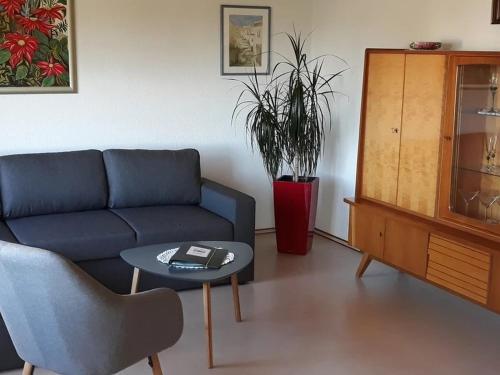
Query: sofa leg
[(28, 369)]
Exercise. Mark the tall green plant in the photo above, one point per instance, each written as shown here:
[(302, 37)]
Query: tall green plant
[(286, 117)]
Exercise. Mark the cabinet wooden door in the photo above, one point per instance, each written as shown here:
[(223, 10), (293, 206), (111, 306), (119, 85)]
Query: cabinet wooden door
[(421, 132), (382, 125), (368, 231), (406, 246)]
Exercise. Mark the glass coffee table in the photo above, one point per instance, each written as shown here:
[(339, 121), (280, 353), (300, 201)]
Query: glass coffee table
[(144, 259)]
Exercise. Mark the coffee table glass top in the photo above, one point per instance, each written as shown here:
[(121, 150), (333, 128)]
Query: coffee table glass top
[(144, 258)]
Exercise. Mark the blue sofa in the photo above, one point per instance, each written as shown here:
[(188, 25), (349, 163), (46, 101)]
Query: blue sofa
[(89, 205)]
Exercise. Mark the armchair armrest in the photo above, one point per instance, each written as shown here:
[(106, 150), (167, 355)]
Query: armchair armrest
[(232, 205)]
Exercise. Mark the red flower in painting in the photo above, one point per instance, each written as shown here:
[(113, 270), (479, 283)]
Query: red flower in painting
[(32, 23), (56, 12), (50, 68), (12, 6), (20, 47)]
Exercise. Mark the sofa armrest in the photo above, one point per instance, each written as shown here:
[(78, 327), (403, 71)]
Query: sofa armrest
[(232, 205)]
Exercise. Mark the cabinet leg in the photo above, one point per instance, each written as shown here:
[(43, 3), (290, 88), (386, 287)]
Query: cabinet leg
[(363, 265)]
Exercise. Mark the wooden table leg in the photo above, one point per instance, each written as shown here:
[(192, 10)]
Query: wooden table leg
[(135, 281), (236, 297), (207, 304), (363, 265), (28, 369)]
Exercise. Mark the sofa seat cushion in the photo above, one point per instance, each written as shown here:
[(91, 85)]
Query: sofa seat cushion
[(6, 234), (175, 223), (78, 235)]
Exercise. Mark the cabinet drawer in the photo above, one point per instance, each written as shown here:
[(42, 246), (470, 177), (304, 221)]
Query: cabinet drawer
[(460, 268)]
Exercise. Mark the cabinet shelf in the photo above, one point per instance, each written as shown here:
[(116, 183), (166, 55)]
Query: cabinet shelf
[(474, 86), (482, 170), (488, 113)]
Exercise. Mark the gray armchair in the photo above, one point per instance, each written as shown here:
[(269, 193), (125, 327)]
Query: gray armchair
[(61, 319)]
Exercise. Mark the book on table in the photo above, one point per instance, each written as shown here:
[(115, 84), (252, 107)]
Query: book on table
[(194, 254)]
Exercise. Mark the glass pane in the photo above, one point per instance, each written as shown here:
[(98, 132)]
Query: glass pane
[(476, 177)]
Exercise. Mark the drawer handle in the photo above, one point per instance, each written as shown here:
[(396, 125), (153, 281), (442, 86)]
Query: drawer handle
[(395, 130)]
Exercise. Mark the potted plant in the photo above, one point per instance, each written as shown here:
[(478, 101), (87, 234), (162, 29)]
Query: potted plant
[(286, 118)]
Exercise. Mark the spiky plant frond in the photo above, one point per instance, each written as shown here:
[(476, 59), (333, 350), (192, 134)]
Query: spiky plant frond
[(287, 117)]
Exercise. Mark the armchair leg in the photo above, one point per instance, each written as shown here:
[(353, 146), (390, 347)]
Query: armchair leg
[(28, 369), (363, 265), (155, 364)]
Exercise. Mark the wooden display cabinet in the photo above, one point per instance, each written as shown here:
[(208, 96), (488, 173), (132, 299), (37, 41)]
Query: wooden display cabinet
[(428, 188)]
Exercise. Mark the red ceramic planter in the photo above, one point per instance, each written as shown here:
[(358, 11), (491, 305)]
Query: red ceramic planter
[(295, 214)]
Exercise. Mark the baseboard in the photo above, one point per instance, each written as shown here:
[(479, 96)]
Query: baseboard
[(330, 236), (265, 231), (317, 231)]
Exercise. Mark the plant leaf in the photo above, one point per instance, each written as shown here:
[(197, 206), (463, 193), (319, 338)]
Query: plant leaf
[(21, 72), (4, 56), (48, 81), (41, 37)]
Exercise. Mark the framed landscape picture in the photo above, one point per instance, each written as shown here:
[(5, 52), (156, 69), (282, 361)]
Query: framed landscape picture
[(245, 39), (495, 12), (36, 52)]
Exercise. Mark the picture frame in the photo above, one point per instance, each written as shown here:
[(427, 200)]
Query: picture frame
[(495, 12), (37, 47), (245, 40)]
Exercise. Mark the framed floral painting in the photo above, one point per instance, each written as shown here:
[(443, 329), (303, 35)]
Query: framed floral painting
[(36, 46), (245, 39)]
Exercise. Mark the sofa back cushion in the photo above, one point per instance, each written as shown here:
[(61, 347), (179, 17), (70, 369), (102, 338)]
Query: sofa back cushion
[(140, 178), (38, 184)]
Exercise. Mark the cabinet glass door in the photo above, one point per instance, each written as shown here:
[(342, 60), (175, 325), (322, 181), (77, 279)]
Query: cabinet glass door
[(474, 189)]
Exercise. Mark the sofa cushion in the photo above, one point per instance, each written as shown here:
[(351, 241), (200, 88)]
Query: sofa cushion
[(6, 234), (38, 184), (78, 236), (139, 178), (175, 223)]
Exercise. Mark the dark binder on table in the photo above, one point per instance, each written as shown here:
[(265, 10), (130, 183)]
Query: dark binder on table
[(193, 254)]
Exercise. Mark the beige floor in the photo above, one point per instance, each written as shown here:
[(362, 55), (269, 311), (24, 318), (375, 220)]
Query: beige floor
[(309, 315)]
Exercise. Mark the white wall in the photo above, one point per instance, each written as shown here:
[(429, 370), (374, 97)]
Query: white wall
[(149, 76), (346, 28)]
